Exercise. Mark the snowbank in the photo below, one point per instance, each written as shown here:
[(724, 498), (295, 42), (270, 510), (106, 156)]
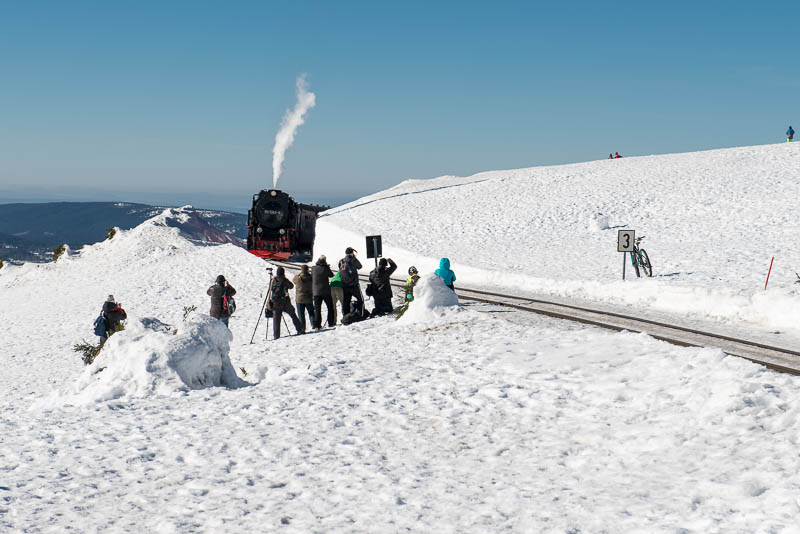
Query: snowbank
[(431, 299), (152, 358)]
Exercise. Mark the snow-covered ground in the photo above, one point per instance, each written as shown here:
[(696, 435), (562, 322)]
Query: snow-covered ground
[(456, 418)]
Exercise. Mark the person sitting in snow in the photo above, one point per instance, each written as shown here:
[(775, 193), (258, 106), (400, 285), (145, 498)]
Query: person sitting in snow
[(789, 135), (218, 292), (610, 156), (444, 272), (113, 315), (383, 289), (279, 302), (616, 155)]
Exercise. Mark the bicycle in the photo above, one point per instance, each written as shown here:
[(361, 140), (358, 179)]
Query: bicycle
[(640, 260)]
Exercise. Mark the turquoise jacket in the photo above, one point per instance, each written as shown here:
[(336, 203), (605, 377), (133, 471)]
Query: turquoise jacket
[(444, 272)]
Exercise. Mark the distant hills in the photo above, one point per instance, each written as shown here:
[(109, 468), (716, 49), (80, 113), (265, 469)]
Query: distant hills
[(29, 232)]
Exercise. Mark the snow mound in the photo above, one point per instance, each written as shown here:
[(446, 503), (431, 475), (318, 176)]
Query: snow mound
[(152, 358), (431, 299)]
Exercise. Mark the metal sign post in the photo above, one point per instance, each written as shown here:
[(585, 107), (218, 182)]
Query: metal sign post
[(374, 247), (625, 241)]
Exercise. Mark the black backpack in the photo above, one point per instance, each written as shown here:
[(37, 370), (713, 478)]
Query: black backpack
[(348, 274)]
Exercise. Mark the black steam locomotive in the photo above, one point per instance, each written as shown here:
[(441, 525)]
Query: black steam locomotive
[(280, 228)]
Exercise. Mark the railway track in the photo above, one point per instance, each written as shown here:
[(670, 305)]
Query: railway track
[(776, 358)]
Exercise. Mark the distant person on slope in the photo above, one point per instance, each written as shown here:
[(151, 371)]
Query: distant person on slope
[(303, 296), (610, 156), (279, 302), (348, 271), (218, 292), (383, 289), (789, 135), (616, 155), (444, 272), (321, 292), (113, 315)]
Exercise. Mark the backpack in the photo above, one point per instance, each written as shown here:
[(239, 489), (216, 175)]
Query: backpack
[(277, 295), (372, 287), (348, 275), (228, 305), (100, 326)]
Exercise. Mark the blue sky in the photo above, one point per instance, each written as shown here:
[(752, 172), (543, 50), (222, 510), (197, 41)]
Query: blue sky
[(180, 101)]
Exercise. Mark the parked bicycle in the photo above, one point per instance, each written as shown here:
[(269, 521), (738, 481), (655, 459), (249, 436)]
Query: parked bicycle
[(640, 260)]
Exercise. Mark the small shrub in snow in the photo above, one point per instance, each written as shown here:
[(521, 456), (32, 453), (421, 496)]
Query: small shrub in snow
[(243, 370), (110, 233), (88, 351), (796, 281), (58, 252), (187, 310), (1, 263)]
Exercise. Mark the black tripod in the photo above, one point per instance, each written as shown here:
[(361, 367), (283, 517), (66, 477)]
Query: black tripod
[(261, 313)]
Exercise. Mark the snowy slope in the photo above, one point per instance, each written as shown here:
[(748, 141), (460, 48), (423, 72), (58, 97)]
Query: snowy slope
[(464, 418), (712, 221)]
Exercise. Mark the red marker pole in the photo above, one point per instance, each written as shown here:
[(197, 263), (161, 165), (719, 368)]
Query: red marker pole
[(770, 270)]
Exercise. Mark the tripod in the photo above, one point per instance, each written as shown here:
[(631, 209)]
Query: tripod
[(263, 307)]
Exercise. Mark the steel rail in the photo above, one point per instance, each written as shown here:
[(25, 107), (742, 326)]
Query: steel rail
[(776, 358)]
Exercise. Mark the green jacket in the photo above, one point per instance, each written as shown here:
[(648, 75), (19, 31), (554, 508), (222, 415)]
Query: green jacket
[(410, 283), (336, 281)]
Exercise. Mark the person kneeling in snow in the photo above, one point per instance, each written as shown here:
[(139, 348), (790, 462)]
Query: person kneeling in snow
[(279, 302), (113, 315), (218, 293), (444, 272), (383, 289)]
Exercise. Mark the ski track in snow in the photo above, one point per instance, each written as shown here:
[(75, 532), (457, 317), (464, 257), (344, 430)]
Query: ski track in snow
[(480, 419)]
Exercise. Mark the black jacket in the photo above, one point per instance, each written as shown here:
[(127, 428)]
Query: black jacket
[(380, 277), (113, 314), (320, 273), (217, 292), (355, 265)]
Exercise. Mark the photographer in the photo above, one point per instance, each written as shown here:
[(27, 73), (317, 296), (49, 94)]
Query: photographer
[(113, 315), (379, 277), (321, 290), (218, 292), (280, 302), (348, 271)]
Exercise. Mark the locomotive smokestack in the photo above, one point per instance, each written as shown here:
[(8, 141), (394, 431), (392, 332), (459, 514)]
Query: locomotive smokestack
[(292, 119)]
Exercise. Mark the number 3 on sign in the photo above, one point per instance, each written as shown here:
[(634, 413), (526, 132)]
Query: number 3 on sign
[(625, 240)]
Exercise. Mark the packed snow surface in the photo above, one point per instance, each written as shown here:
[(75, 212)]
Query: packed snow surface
[(460, 417), (712, 221)]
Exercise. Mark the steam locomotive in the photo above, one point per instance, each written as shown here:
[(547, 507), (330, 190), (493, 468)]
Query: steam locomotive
[(280, 228)]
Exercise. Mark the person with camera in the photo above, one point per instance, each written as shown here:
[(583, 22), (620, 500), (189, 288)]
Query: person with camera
[(348, 272), (113, 315), (321, 291), (219, 293), (381, 286), (279, 302)]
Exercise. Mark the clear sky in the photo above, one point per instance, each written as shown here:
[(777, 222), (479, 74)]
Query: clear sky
[(180, 101)]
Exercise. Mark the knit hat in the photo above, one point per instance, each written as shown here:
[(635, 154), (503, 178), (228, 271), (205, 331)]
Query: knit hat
[(323, 259), (110, 298), (348, 250), (220, 279), (383, 262)]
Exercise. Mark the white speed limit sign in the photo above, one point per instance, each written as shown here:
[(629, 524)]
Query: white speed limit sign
[(625, 240)]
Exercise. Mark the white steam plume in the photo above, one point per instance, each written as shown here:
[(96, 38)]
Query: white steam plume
[(291, 121)]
